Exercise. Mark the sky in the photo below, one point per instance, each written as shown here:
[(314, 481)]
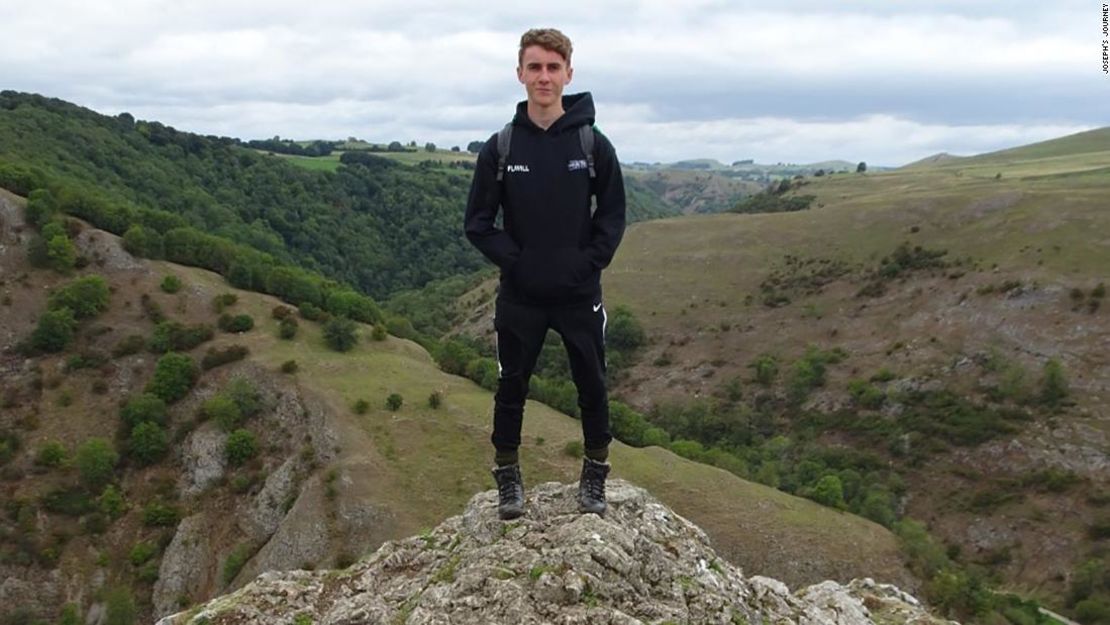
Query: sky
[(886, 82)]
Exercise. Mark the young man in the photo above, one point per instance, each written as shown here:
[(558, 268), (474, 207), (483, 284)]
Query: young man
[(542, 170)]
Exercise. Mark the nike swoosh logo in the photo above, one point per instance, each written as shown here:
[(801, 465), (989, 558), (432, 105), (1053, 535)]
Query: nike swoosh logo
[(597, 307)]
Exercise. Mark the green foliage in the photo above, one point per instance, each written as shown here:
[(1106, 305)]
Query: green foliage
[(120, 607), (362, 406), (394, 401), (55, 330), (148, 443), (243, 392), (289, 366), (216, 357), (86, 297), (141, 552), (574, 449), (379, 332), (435, 400), (773, 203), (236, 323), (241, 447), (70, 615), (174, 375), (144, 242), (111, 502), (132, 344), (70, 501), (624, 332), (829, 492), (340, 334), (51, 454), (764, 369), (223, 301), (171, 284), (174, 336), (234, 562), (95, 460), (143, 408), (61, 255), (223, 410), (287, 329), (158, 514), (865, 394), (1054, 384)]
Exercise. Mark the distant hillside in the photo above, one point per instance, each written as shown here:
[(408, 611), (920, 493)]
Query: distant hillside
[(928, 343), (278, 452), (939, 158)]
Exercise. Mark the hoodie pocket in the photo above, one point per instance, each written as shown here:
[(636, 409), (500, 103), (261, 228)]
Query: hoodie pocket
[(551, 274)]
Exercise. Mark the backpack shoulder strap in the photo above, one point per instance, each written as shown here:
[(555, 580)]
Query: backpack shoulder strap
[(504, 140), (586, 138)]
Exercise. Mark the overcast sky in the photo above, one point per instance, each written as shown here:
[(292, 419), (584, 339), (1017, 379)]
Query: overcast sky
[(886, 82)]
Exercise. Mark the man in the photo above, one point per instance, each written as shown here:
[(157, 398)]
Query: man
[(542, 170)]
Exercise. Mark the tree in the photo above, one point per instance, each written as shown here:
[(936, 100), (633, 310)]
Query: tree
[(429, 147), (143, 408), (86, 297), (241, 447), (475, 146), (95, 460), (829, 492), (455, 148), (148, 443), (862, 167), (395, 146), (55, 330), (394, 401), (174, 375), (340, 334)]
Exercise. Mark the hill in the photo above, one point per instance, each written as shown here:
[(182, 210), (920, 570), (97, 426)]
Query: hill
[(282, 453), (916, 328), (641, 563)]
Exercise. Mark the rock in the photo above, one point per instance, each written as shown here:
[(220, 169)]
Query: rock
[(203, 459), (184, 571), (641, 563)]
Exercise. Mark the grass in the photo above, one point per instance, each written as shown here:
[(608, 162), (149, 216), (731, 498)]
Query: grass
[(331, 161)]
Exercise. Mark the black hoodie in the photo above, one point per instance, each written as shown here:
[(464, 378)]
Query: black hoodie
[(552, 250)]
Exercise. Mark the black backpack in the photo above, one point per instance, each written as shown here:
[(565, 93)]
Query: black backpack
[(505, 137)]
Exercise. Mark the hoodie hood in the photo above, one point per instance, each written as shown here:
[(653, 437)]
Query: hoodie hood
[(578, 109)]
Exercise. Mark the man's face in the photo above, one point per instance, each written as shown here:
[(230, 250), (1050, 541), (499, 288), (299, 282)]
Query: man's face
[(543, 73)]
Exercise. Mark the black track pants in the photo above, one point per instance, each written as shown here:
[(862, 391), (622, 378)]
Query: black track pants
[(520, 333)]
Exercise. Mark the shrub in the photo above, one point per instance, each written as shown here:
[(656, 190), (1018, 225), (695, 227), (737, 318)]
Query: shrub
[(61, 255), (157, 514), (574, 449), (174, 336), (394, 401), (311, 312), (235, 323), (623, 332), (216, 357), (143, 408), (379, 332), (120, 608), (111, 502), (224, 300), (245, 395), (241, 447), (151, 309), (86, 297), (51, 454), (287, 329), (765, 369), (171, 284), (148, 443), (223, 410), (280, 312), (133, 344), (362, 406), (73, 501), (174, 375), (234, 563), (829, 492), (85, 360), (55, 330), (340, 334), (144, 242), (289, 366), (865, 394), (435, 400), (141, 552), (95, 460), (1054, 386)]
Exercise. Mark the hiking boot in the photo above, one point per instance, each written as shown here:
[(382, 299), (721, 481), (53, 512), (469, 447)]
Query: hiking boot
[(591, 486), (510, 491)]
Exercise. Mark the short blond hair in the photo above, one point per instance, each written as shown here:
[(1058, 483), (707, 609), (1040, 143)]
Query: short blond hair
[(548, 39)]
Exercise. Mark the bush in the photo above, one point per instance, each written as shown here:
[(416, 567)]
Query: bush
[(148, 443), (234, 563), (73, 501), (281, 313), (95, 460), (865, 394), (289, 366), (765, 369), (394, 401), (174, 376), (362, 406), (143, 242), (174, 336), (287, 329), (223, 410), (236, 323), (120, 608), (141, 552), (245, 395), (171, 284), (51, 454), (86, 297), (151, 309), (311, 312), (55, 330), (241, 447), (829, 492), (224, 300), (340, 334), (379, 332), (111, 502), (574, 449), (1054, 386), (143, 408), (435, 400), (157, 514), (216, 357), (133, 344)]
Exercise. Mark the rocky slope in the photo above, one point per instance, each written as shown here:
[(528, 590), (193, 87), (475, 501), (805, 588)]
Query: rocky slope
[(641, 563)]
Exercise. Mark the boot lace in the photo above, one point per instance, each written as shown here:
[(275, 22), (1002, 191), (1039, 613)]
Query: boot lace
[(594, 484)]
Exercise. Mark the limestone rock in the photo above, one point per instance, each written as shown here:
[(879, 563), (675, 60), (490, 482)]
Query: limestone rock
[(641, 563)]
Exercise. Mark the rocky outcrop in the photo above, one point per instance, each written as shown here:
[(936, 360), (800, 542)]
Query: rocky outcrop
[(641, 563)]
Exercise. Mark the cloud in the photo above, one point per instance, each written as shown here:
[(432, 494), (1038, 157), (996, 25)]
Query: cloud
[(443, 71)]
